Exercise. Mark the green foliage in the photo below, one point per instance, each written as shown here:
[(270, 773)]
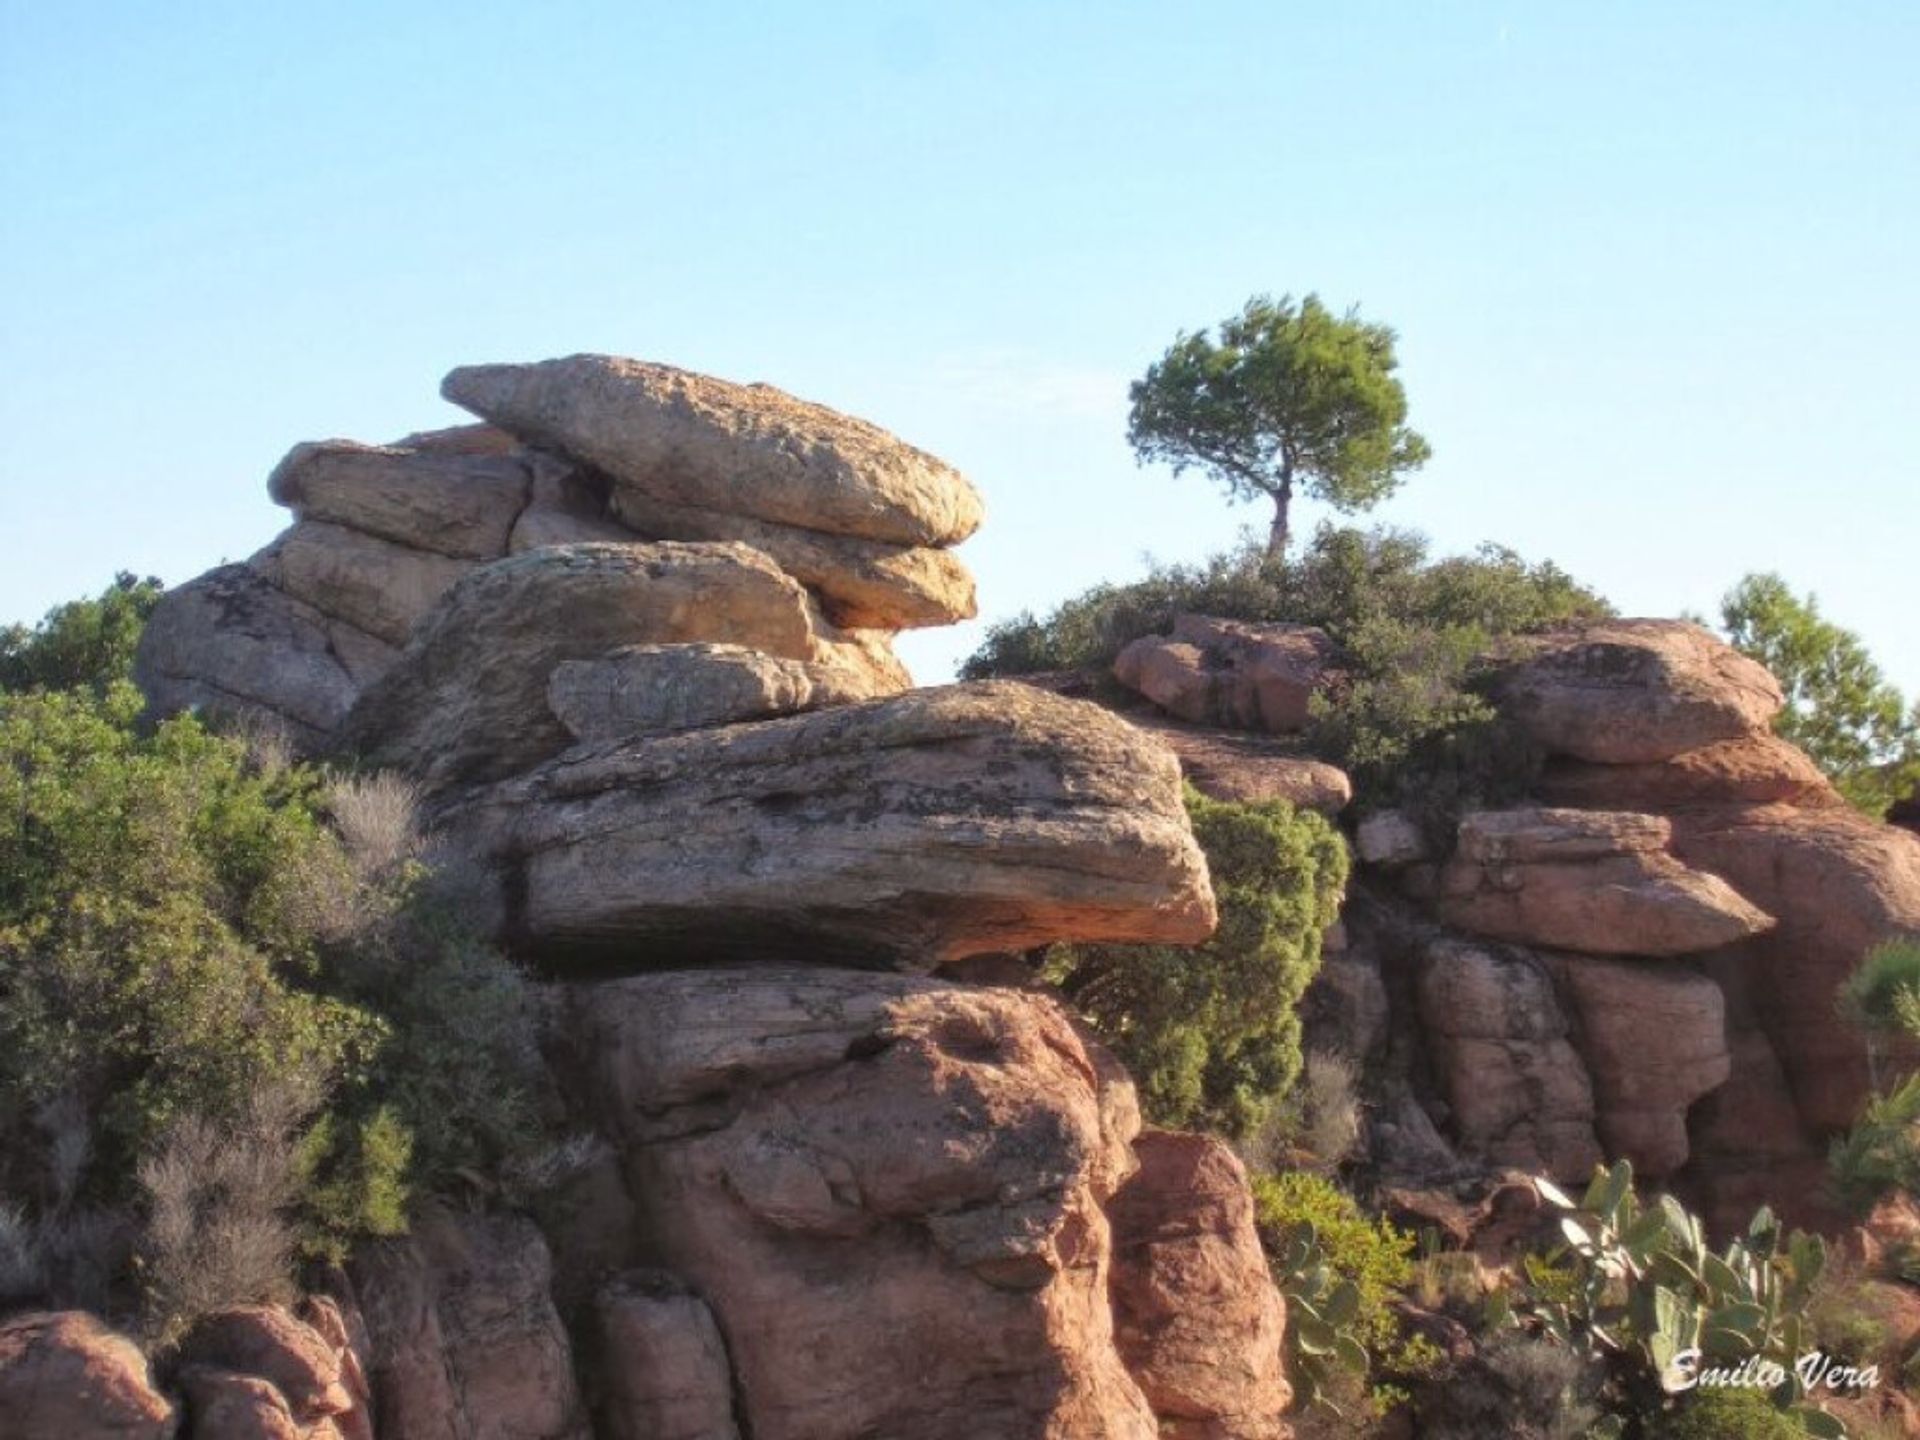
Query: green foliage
[(355, 1179), (1407, 723), (1211, 1034), (1647, 1288), (82, 643), (1879, 1155), (1732, 1414), (1341, 1273), (1292, 394), (1840, 708)]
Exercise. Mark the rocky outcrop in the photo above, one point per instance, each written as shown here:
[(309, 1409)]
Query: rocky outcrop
[(1230, 672), (1753, 770), (65, 1374), (372, 584), (888, 1189), (1518, 1092), (259, 1370), (452, 504), (1196, 1315), (1599, 882), (913, 830), (1630, 692), (463, 1339), (752, 450), (1250, 769)]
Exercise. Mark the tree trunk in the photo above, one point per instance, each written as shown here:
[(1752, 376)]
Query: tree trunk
[(1278, 535)]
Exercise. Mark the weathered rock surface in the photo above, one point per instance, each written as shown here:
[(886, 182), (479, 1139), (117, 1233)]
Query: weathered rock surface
[(887, 1188), (913, 830), (468, 697), (226, 1405), (751, 450), (1653, 1038), (1592, 881), (868, 583), (452, 504), (565, 507), (657, 689), (1229, 672), (1519, 1091), (464, 1342), (64, 1374), (1753, 770), (1228, 765), (666, 1368), (1390, 839), (259, 1366), (372, 584), (1840, 885), (1197, 1318), (231, 644), (1630, 692)]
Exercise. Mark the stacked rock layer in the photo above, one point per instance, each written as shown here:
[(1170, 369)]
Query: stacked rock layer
[(631, 637)]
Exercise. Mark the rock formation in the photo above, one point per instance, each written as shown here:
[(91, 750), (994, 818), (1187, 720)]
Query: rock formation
[(632, 640)]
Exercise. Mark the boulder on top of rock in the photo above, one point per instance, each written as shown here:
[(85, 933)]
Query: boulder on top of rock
[(913, 830), (1593, 881), (1752, 770), (752, 450), (1230, 673), (657, 689), (861, 582), (373, 584), (446, 502), (468, 697), (887, 1188), (1630, 692), (229, 643), (1197, 1317)]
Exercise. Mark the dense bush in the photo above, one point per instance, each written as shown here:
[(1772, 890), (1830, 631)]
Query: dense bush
[(1881, 1154), (240, 1019), (1212, 1034), (82, 643), (1732, 1414), (1406, 722)]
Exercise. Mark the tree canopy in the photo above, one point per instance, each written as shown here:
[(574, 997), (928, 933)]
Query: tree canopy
[(1291, 395), (1840, 707)]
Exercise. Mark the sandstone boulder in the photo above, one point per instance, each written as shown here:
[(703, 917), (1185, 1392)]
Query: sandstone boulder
[(1519, 1091), (451, 504), (1753, 770), (1230, 765), (1593, 881), (464, 1342), (468, 697), (1390, 839), (261, 1362), (226, 1405), (887, 1188), (1230, 673), (861, 582), (751, 450), (65, 1374), (372, 584), (1198, 1320), (231, 644), (1840, 885), (1631, 692), (656, 689), (666, 1368), (914, 830), (1654, 1040)]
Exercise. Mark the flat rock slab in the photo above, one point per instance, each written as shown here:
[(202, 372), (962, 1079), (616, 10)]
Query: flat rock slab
[(375, 585), (750, 450), (659, 689), (1248, 769), (914, 830), (1752, 770), (449, 503), (1631, 692)]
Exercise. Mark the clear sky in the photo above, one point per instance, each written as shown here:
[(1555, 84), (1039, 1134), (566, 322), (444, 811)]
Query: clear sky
[(1656, 267)]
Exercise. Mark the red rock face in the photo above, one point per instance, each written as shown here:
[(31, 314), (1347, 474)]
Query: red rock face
[(1230, 673), (888, 1190), (67, 1375), (1197, 1318)]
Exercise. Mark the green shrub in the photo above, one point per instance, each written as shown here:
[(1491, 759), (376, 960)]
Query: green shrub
[(1879, 1156), (1732, 1414), (1406, 722), (1211, 1034), (84, 643)]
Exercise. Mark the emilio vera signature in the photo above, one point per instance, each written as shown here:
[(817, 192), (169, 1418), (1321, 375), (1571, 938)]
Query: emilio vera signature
[(1815, 1370)]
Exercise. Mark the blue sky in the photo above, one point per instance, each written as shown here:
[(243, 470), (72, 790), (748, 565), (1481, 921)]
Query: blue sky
[(1653, 266)]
